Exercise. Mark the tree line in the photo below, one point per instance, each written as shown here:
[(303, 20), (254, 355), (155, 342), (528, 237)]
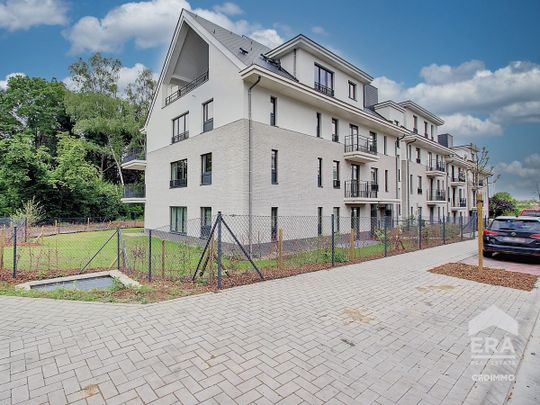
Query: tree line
[(61, 148)]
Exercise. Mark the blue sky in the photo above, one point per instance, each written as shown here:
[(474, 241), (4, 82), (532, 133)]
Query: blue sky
[(475, 63)]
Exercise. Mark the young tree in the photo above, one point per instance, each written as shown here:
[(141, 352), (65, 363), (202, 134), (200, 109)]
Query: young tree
[(140, 94)]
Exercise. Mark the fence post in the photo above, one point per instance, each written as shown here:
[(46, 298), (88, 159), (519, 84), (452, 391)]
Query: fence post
[(385, 237), (419, 231), (2, 244), (118, 249), (333, 242), (443, 231), (219, 251), (149, 255), (352, 238), (280, 248), (25, 229), (474, 226), (461, 226), (163, 258), (14, 252)]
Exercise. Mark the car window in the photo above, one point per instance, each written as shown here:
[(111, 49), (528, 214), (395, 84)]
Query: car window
[(531, 213), (515, 225)]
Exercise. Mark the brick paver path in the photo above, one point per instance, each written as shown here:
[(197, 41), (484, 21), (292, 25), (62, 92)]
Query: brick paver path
[(384, 331)]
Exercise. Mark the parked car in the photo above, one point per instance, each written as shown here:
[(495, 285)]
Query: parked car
[(530, 212), (513, 235)]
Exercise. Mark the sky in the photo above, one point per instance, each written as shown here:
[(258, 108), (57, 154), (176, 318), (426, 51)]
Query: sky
[(475, 63)]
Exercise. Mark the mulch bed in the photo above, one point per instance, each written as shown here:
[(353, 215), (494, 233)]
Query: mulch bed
[(500, 277)]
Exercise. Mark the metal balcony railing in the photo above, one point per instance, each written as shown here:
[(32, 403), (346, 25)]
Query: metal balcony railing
[(358, 143), (436, 165), (135, 190), (180, 137), (176, 183), (133, 154), (361, 189), (321, 88), (462, 202), (436, 195), (187, 88), (335, 137), (208, 125), (337, 183)]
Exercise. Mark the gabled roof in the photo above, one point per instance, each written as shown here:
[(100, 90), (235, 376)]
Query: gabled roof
[(389, 103), (304, 42), (247, 50), (421, 110)]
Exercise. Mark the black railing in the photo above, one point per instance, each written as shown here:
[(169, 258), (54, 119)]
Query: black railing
[(321, 88), (135, 190), (178, 183), (419, 190), (208, 125), (187, 88), (462, 202), (358, 143), (337, 183), (206, 178), (134, 154), (436, 165), (361, 189), (180, 137), (335, 137), (436, 195)]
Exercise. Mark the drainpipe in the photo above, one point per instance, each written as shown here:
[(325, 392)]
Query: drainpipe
[(250, 170)]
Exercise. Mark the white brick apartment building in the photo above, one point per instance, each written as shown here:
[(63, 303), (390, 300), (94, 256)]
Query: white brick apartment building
[(292, 131)]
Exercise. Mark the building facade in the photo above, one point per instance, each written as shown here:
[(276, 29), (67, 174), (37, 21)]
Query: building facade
[(292, 131)]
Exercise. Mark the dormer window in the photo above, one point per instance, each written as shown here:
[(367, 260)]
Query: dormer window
[(324, 80)]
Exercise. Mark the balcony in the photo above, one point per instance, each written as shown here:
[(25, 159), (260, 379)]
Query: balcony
[(208, 125), (458, 180), (134, 159), (180, 137), (435, 197), (187, 88), (360, 149), (134, 193), (435, 168), (458, 204), (364, 192), (177, 183), (321, 88)]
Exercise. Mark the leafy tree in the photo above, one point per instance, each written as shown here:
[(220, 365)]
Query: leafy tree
[(140, 94), (502, 203), (97, 75), (33, 105)]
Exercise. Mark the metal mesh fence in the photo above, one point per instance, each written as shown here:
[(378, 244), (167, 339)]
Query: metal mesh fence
[(239, 246)]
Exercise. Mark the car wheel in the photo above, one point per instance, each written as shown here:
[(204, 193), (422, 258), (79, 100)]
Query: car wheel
[(487, 254)]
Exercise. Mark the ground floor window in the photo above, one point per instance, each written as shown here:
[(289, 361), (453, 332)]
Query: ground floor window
[(206, 222), (179, 219)]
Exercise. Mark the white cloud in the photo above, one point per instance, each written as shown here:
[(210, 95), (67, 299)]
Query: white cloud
[(466, 125), (4, 83), (229, 9), (520, 178), (460, 94), (317, 29), (23, 14), (150, 24)]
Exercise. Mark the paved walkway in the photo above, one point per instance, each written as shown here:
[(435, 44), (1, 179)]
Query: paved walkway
[(384, 331)]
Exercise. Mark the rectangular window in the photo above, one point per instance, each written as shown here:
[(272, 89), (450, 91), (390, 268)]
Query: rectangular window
[(319, 172), (352, 90), (373, 136), (274, 166), (208, 116), (386, 181), (335, 135), (179, 219), (180, 128), (273, 113), (324, 80), (206, 169), (179, 173), (354, 129), (336, 219), (319, 220), (374, 176), (337, 183), (385, 146), (425, 129), (415, 124), (418, 156), (432, 131), (274, 223), (318, 117), (206, 222), (420, 185), (410, 184)]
